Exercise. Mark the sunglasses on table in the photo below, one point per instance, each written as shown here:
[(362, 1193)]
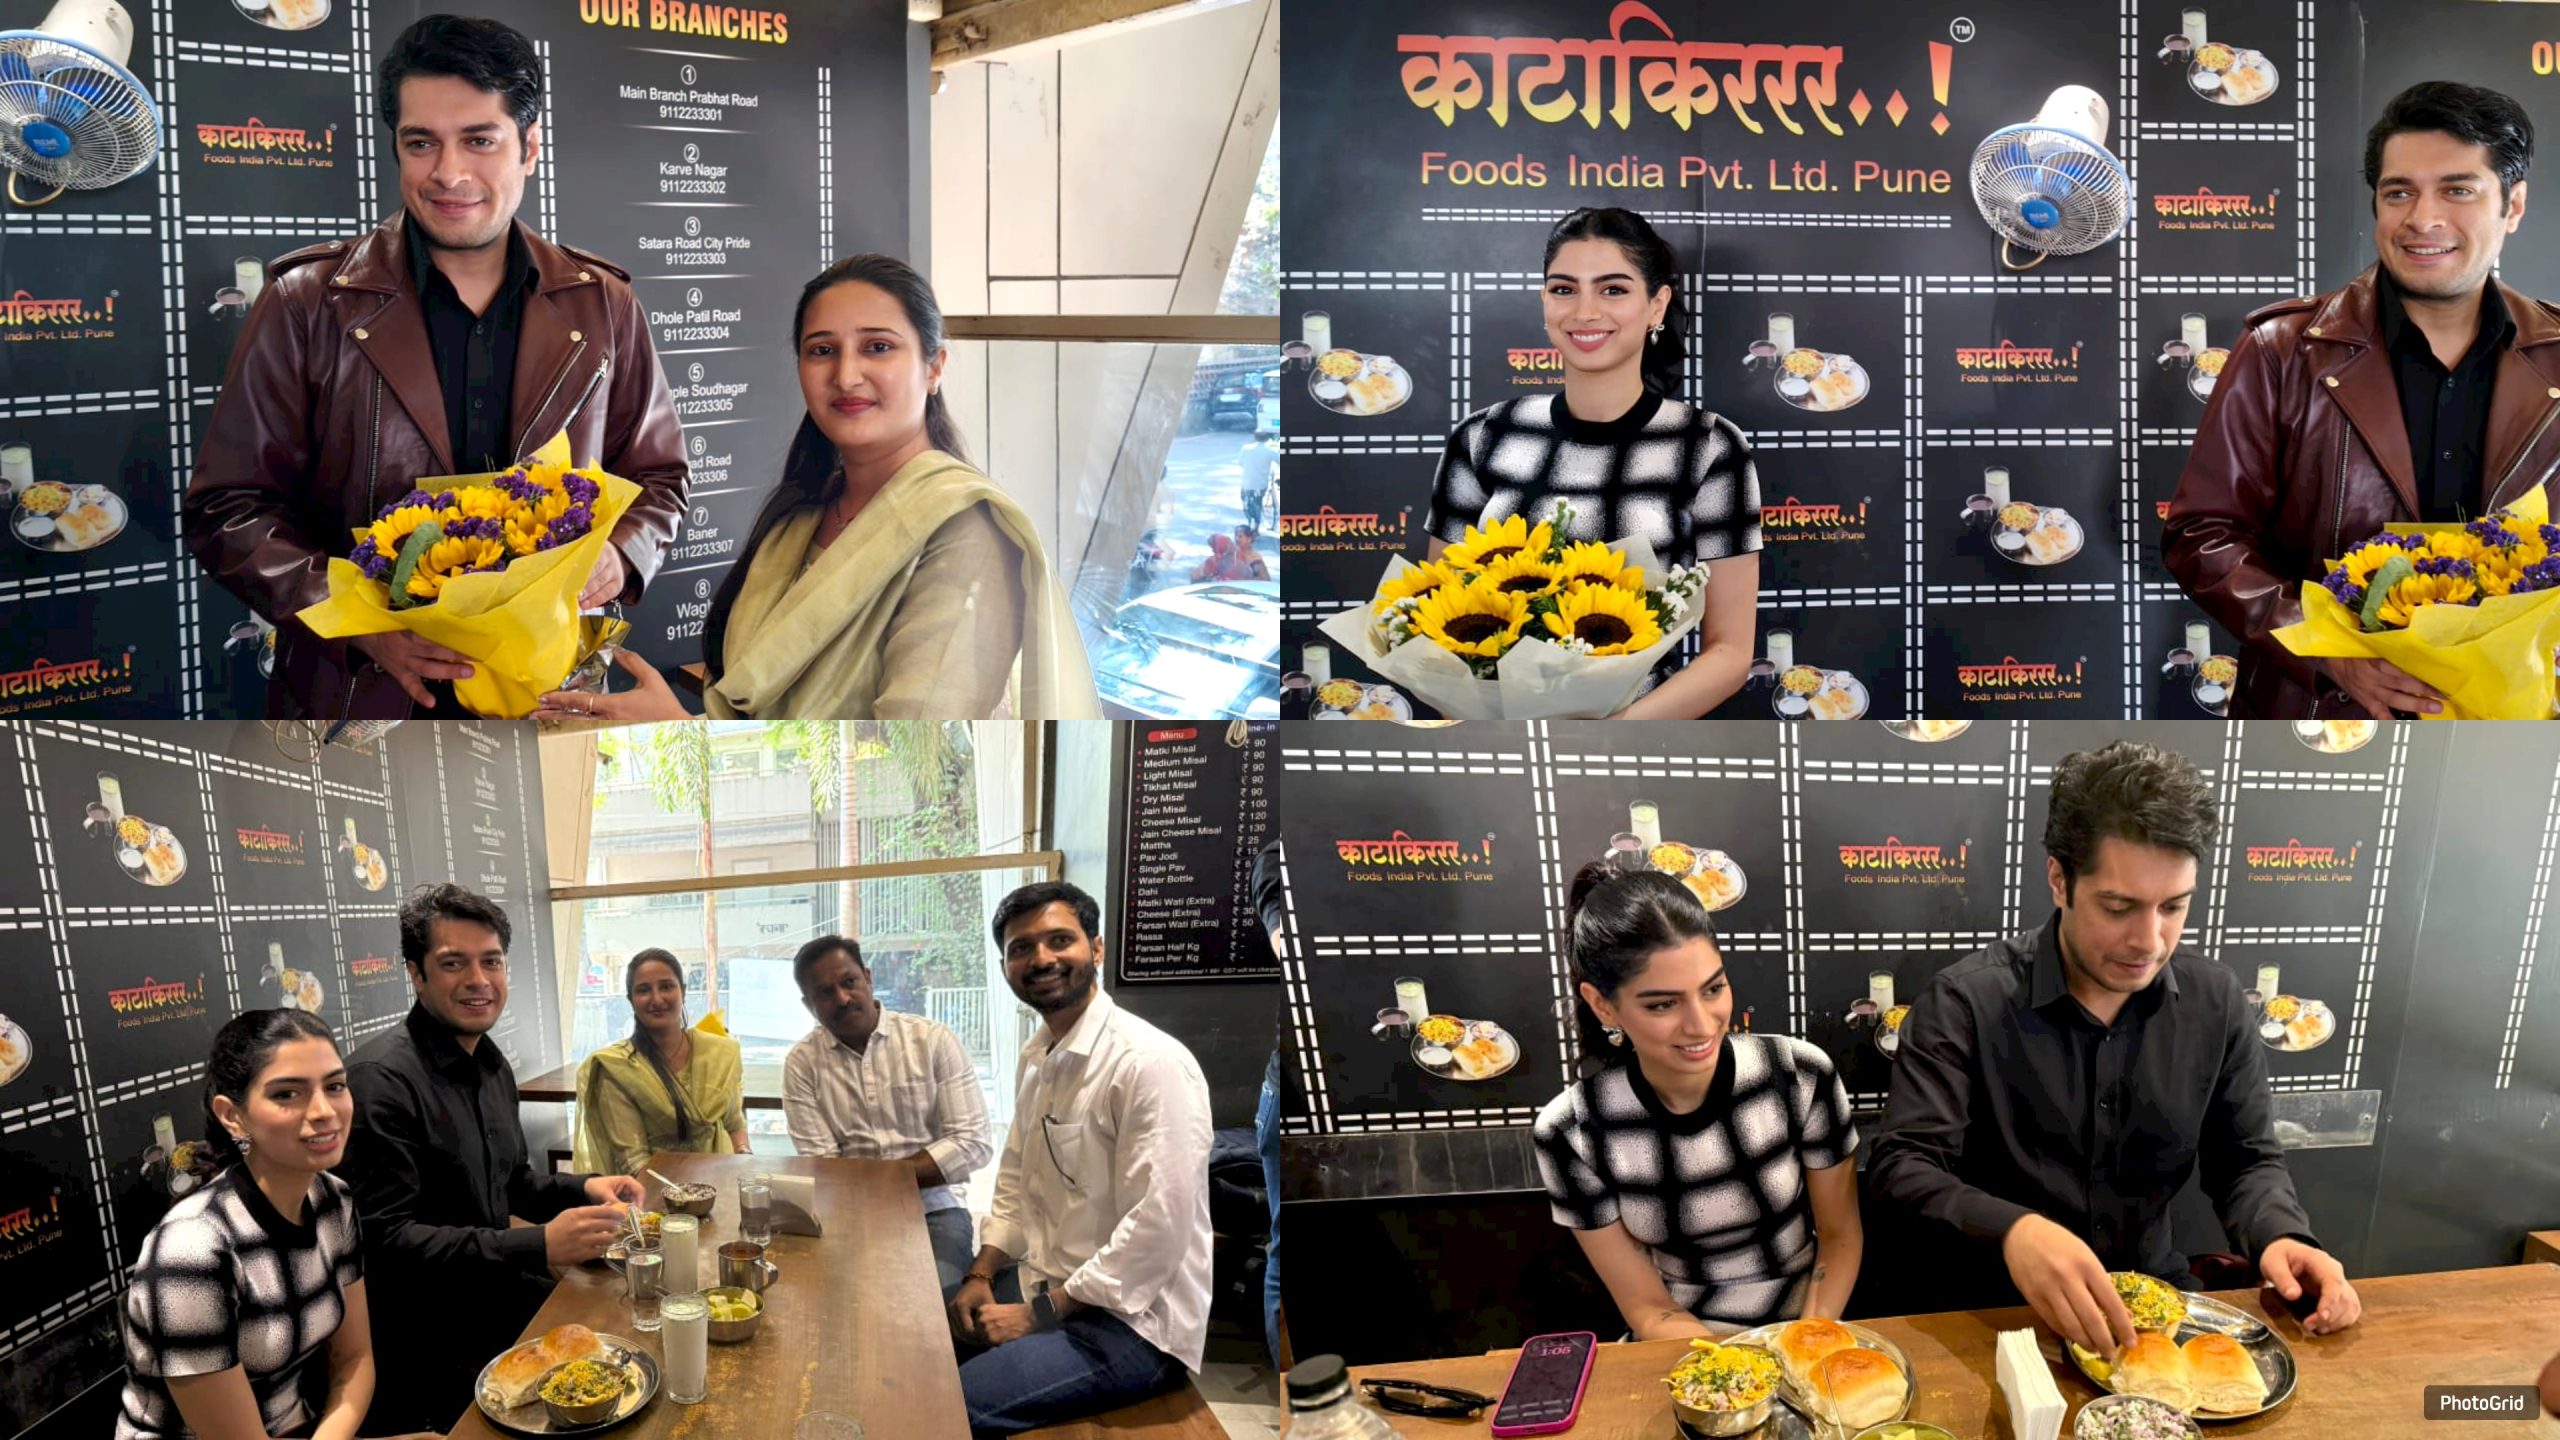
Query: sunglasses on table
[(1437, 1402)]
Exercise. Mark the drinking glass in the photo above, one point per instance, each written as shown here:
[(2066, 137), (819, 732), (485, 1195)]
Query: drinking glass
[(755, 1209), (688, 1347), (646, 1268)]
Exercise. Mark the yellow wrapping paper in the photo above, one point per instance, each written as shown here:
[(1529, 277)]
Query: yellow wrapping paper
[(2491, 661), (519, 625)]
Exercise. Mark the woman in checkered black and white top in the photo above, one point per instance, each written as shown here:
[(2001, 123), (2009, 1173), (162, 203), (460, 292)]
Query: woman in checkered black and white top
[(1705, 1174), (246, 1315), (1634, 460)]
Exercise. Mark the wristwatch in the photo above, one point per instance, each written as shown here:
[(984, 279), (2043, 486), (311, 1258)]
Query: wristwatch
[(1044, 1311)]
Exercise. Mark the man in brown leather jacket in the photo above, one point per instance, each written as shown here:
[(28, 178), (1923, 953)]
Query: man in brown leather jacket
[(2422, 391), (448, 340)]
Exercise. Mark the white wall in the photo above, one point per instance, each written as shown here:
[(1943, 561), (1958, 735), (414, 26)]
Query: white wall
[(1106, 175)]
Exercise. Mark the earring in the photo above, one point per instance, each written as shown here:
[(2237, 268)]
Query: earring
[(243, 1142), (1616, 1035), (1657, 330)]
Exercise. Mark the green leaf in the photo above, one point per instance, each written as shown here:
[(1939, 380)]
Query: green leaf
[(412, 550), (2378, 589)]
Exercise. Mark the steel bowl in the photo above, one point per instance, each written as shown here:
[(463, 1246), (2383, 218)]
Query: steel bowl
[(1718, 1424), (695, 1201), (570, 1415), (730, 1332)]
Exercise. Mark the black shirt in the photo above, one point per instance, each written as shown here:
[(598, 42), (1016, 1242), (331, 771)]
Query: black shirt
[(475, 354), (2008, 1097), (438, 1162), (2446, 410)]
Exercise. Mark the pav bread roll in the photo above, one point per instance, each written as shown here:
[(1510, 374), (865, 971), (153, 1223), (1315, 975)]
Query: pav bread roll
[(517, 1377), (2153, 1365), (1858, 1387), (2226, 1378), (1806, 1343)]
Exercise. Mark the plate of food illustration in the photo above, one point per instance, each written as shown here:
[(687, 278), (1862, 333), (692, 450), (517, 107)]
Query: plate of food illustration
[(1710, 874), (1811, 380), (148, 853), (1889, 1029), (2207, 370), (1347, 382), (2216, 676), (66, 519), (2036, 534), (2231, 75), (2293, 1024), (2336, 737), (1926, 732), (17, 1052), (1351, 700), (1456, 1049), (370, 872), (1824, 694)]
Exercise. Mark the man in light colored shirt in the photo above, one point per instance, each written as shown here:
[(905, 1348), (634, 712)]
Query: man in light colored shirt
[(1091, 1290), (874, 1084)]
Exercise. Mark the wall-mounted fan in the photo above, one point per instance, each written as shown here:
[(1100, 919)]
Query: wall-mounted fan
[(2051, 186), (71, 115)]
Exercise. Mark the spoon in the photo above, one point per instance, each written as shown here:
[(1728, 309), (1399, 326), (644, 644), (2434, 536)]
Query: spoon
[(661, 1179)]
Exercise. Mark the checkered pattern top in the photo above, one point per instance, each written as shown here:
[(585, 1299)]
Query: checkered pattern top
[(226, 1281), (1677, 477), (1717, 1196)]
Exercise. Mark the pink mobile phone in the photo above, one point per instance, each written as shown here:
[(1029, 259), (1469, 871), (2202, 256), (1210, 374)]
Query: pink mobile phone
[(1544, 1393)]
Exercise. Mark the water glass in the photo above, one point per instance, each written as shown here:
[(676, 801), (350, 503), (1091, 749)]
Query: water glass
[(688, 1348), (679, 1238), (645, 1266), (755, 1209)]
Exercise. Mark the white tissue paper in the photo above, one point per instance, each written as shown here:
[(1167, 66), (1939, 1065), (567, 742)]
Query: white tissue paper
[(2036, 1407), (795, 1205)]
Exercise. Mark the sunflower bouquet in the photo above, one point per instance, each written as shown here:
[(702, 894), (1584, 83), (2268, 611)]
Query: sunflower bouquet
[(1513, 622), (2471, 609), (487, 565)]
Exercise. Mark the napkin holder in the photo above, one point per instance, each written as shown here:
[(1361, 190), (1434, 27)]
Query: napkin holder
[(795, 1205), (2036, 1407)]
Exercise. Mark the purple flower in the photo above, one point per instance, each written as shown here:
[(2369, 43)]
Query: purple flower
[(2541, 575), (476, 527), (582, 490), (2348, 593), (2490, 530), (374, 563), (2443, 565)]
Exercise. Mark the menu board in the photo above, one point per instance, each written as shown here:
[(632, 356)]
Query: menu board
[(1198, 806)]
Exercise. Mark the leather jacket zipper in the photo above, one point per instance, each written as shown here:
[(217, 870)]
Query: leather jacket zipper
[(2521, 456), (2338, 513), (554, 393)]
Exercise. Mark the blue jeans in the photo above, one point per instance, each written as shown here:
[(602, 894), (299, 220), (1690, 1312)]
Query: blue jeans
[(1266, 1137), (1091, 1363), (954, 1246)]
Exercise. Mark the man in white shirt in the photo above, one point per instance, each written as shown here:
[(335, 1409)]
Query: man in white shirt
[(874, 1084), (1092, 1288)]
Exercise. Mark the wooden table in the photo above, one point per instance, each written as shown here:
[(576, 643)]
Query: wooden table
[(762, 1083), (2368, 1381), (853, 1325)]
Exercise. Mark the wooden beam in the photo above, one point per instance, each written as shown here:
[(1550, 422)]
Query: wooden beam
[(975, 31), (1119, 329), (1052, 861)]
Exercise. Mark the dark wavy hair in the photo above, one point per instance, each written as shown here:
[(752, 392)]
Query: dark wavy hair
[(242, 1049), (2130, 791), (1615, 922), (486, 54), (819, 949), (1035, 897), (2469, 113), (430, 903), (647, 1044), (1654, 261), (810, 466)]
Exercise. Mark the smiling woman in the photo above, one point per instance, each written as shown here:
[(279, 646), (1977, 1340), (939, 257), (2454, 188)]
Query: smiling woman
[(666, 1087)]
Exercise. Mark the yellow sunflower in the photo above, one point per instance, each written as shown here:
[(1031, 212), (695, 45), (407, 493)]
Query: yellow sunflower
[(1525, 573), (1610, 620), (1420, 579), (2455, 545), (1512, 535), (2499, 570), (482, 502), (2363, 560), (1475, 620), (448, 558), (1592, 563), (2417, 591), (387, 532)]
